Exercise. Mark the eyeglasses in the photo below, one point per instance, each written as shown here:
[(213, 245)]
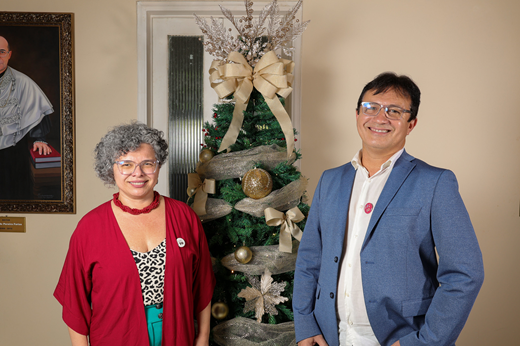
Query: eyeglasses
[(3, 53), (127, 167), (391, 112)]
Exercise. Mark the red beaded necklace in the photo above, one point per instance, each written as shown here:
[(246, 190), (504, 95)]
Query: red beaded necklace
[(145, 210)]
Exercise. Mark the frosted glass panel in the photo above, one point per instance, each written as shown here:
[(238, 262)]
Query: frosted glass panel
[(185, 118)]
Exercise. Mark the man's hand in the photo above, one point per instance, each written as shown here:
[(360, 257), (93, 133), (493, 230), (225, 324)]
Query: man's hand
[(397, 343), (315, 340), (42, 148)]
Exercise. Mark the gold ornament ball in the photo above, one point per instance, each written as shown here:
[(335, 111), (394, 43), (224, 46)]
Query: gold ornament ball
[(219, 310), (206, 155), (243, 254), (257, 183), (191, 191)]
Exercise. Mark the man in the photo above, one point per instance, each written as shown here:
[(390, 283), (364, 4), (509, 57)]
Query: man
[(367, 272), (23, 122)]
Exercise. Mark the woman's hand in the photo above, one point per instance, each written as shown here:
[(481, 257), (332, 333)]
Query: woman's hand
[(77, 338), (203, 319), (200, 341)]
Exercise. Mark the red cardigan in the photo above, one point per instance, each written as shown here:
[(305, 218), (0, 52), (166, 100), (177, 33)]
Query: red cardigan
[(99, 286)]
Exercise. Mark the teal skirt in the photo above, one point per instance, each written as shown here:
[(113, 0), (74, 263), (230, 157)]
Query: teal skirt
[(154, 315)]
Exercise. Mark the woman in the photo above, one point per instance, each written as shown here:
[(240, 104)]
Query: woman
[(139, 260)]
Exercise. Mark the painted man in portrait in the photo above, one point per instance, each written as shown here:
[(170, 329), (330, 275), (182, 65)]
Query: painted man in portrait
[(24, 123)]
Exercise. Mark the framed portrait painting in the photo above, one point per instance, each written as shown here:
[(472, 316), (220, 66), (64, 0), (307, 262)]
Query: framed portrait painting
[(37, 163)]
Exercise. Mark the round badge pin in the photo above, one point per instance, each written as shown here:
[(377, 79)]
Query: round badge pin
[(368, 208), (181, 242)]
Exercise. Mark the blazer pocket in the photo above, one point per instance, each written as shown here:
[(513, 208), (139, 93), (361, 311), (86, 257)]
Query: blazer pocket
[(318, 291), (415, 307), (414, 211)]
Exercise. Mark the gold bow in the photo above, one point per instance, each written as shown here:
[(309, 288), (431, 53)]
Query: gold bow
[(201, 192), (271, 76), (288, 221)]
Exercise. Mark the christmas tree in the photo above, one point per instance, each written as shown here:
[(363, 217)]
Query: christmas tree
[(246, 190)]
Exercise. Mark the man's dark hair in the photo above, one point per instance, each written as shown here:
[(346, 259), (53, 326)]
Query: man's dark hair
[(402, 85)]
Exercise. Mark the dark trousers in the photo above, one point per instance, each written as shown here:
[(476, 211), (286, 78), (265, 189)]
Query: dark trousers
[(15, 172)]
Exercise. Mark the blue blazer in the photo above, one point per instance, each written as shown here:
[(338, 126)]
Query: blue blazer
[(409, 295)]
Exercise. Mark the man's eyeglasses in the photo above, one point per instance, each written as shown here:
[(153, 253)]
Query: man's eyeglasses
[(391, 112), (127, 167), (3, 53)]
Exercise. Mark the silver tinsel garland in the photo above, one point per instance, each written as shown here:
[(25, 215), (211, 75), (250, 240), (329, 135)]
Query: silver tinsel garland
[(241, 161), (282, 199), (242, 331), (264, 257), (215, 208), (236, 164)]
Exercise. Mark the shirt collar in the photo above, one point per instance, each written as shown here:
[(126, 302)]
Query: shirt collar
[(356, 161)]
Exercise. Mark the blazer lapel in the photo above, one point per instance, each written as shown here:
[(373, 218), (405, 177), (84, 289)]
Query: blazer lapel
[(339, 208), (402, 168)]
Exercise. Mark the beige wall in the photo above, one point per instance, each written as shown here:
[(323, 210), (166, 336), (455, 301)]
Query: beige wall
[(464, 55)]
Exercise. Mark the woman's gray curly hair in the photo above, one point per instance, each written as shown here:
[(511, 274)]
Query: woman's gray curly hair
[(120, 141)]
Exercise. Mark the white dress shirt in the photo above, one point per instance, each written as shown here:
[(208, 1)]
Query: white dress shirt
[(354, 326)]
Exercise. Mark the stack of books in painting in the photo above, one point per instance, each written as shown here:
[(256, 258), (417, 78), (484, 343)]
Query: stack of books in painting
[(45, 161)]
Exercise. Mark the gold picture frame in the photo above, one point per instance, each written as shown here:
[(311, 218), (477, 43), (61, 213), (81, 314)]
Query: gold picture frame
[(42, 46)]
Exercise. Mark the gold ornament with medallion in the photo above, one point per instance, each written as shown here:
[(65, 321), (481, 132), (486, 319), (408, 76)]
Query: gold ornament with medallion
[(257, 183)]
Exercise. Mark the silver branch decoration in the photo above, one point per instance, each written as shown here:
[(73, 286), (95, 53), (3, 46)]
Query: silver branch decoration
[(279, 31)]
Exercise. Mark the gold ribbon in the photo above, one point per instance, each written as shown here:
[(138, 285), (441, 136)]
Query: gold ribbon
[(201, 192), (288, 221), (271, 76)]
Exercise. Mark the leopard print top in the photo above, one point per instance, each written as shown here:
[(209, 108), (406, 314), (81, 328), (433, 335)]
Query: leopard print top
[(151, 266)]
